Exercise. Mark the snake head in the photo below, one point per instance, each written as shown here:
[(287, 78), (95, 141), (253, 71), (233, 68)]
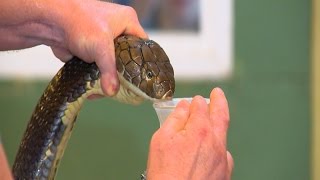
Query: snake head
[(144, 64)]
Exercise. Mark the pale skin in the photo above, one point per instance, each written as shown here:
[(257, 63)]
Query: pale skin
[(85, 28), (192, 142)]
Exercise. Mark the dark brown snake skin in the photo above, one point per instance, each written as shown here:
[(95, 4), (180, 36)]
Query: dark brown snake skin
[(142, 63)]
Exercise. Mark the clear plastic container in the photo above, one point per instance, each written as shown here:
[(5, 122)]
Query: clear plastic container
[(164, 108)]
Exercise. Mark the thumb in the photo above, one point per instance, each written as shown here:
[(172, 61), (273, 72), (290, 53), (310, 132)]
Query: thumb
[(105, 60)]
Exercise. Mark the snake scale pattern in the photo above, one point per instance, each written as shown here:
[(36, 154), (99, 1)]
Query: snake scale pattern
[(144, 71)]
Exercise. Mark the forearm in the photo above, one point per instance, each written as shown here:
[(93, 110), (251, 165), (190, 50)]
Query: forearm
[(29, 23), (5, 172)]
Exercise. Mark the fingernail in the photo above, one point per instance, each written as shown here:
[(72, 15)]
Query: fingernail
[(218, 90), (95, 96), (113, 86)]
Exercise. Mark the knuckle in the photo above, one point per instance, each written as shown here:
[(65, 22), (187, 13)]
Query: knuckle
[(157, 137), (203, 132), (159, 142), (130, 12)]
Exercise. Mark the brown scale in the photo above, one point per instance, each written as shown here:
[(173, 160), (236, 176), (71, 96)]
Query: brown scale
[(145, 64), (142, 62)]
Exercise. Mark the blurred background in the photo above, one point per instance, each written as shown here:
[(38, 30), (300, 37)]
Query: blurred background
[(268, 91)]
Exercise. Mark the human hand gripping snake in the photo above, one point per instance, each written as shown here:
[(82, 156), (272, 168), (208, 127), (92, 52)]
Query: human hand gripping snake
[(144, 71)]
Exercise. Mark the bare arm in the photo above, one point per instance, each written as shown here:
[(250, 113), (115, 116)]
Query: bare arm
[(19, 23), (4, 167), (84, 28)]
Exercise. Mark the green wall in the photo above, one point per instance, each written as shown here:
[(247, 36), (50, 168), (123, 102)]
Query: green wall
[(268, 96)]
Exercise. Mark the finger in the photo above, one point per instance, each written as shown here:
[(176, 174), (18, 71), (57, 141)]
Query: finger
[(177, 119), (62, 54), (105, 60), (94, 96), (230, 162), (133, 26), (136, 29), (219, 113), (198, 112)]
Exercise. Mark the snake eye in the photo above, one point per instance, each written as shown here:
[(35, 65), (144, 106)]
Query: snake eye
[(149, 75)]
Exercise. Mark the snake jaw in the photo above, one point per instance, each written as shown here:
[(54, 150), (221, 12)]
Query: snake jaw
[(131, 94), (167, 96), (128, 93)]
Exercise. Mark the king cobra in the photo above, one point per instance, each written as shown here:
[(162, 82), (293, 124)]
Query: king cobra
[(144, 72)]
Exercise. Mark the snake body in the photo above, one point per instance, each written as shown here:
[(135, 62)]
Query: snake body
[(144, 71)]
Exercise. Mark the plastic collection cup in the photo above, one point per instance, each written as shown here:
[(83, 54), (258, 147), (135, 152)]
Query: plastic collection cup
[(164, 108)]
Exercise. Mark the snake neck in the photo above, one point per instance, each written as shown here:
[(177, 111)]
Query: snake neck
[(53, 119), (129, 93), (144, 73)]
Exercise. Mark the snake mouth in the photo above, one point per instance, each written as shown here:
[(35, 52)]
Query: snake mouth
[(161, 91), (168, 95)]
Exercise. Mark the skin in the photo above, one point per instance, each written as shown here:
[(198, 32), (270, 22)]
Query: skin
[(192, 142), (84, 28), (5, 173)]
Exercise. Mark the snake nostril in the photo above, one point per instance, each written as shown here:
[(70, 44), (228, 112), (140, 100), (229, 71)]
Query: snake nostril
[(149, 75)]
